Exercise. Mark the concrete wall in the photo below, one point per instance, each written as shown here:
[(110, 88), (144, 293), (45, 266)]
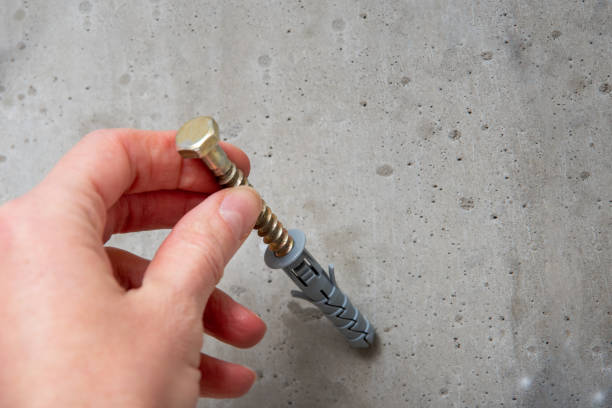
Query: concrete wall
[(452, 158)]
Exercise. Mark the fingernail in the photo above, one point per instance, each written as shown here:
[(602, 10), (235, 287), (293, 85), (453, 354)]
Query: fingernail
[(239, 210)]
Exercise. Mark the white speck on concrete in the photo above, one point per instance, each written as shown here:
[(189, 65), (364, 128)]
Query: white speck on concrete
[(599, 397), (525, 383)]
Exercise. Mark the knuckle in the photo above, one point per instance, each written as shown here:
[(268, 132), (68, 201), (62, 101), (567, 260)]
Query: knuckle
[(110, 142), (212, 263), (215, 264), (211, 257), (99, 134)]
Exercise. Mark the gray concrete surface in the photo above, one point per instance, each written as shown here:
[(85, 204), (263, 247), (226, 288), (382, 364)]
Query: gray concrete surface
[(452, 158)]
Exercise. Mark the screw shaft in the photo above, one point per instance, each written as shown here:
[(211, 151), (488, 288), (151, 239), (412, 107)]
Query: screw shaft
[(268, 226)]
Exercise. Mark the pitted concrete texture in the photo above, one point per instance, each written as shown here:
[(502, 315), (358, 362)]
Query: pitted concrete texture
[(452, 158)]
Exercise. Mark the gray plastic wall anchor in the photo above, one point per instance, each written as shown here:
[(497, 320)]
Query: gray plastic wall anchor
[(321, 290)]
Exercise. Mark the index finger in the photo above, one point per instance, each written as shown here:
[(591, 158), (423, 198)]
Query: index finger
[(108, 163)]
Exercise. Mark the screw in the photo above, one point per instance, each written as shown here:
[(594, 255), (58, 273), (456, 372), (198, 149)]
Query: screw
[(199, 139)]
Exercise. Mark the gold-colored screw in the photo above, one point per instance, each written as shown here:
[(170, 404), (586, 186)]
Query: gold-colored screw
[(199, 138)]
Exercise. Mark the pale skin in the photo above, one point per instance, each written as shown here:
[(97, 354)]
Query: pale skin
[(88, 325)]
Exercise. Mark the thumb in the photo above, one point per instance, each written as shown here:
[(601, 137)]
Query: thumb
[(192, 258)]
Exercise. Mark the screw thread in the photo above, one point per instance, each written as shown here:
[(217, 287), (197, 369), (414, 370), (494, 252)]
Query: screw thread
[(268, 226)]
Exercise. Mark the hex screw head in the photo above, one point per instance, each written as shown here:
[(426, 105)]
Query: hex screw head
[(197, 138)]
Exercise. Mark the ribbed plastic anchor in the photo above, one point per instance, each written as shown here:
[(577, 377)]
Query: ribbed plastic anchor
[(321, 289)]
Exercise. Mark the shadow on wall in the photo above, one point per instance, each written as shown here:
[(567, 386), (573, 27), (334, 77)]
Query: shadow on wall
[(315, 351)]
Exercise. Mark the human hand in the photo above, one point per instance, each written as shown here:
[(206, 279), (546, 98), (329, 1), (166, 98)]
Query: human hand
[(86, 325)]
